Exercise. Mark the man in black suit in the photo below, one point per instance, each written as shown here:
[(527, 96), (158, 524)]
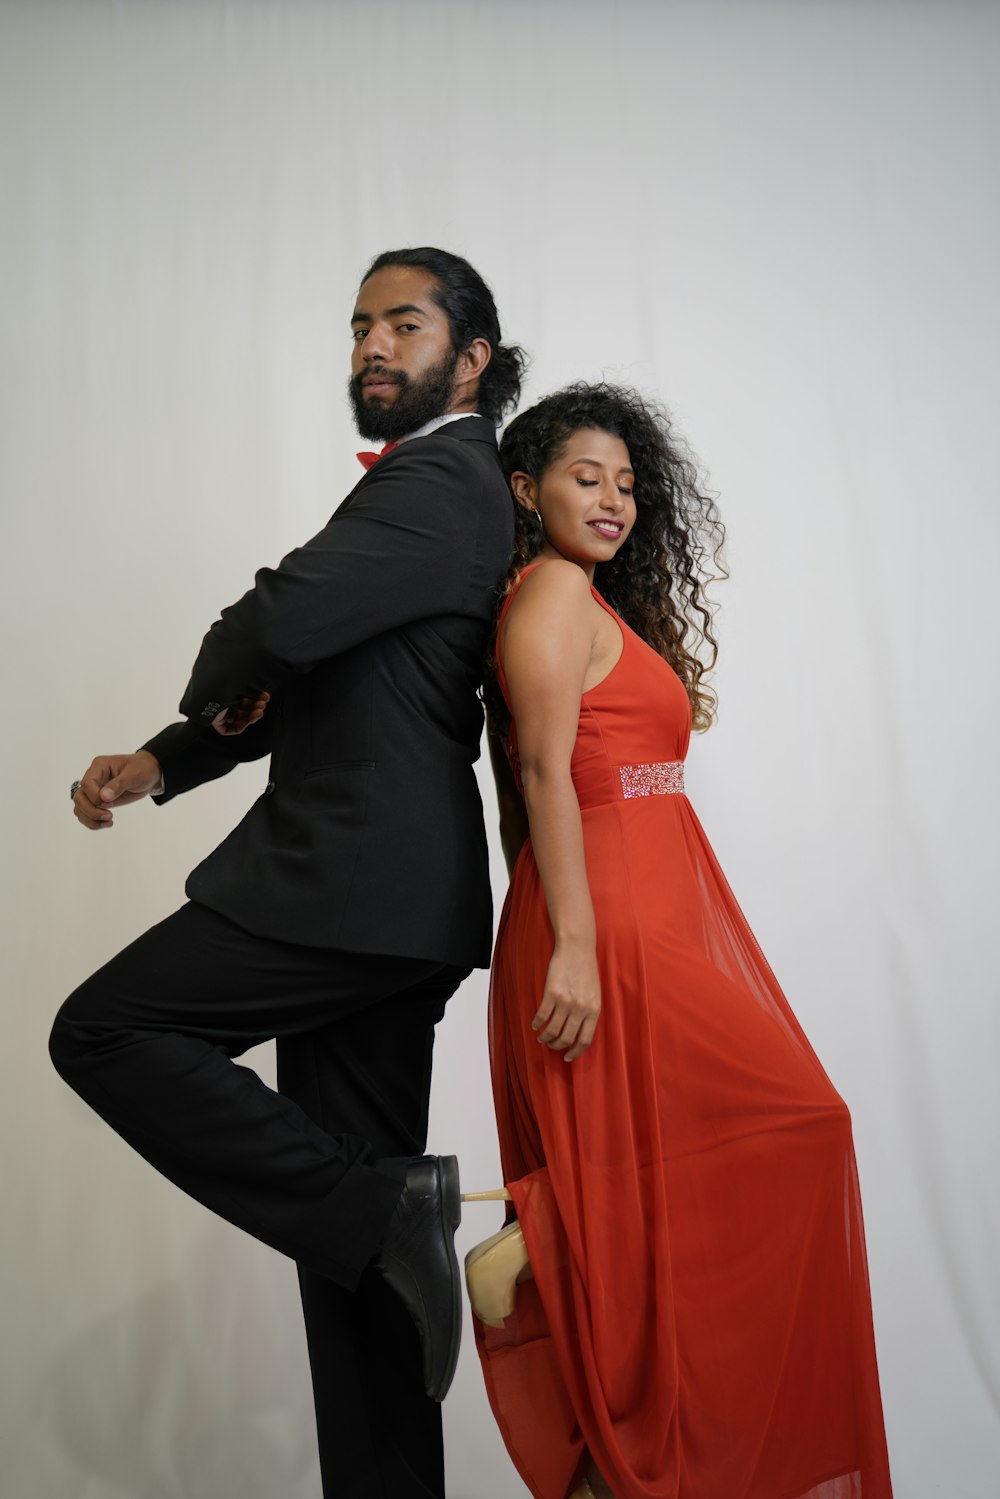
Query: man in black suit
[(353, 898)]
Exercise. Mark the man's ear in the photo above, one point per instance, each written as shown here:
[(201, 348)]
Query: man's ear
[(468, 371), (474, 359)]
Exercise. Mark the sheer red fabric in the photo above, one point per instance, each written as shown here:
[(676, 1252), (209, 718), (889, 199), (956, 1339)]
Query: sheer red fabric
[(699, 1320)]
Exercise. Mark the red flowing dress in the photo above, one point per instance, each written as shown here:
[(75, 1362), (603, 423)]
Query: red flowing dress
[(699, 1320)]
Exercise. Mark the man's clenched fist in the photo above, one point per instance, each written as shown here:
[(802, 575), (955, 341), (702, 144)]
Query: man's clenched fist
[(114, 781), (246, 710)]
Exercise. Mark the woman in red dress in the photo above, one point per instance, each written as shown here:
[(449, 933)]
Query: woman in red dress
[(680, 1307)]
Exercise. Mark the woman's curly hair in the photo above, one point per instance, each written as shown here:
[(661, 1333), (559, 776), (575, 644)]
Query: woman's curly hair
[(657, 580)]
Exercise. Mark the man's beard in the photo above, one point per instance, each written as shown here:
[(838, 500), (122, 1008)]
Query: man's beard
[(419, 400)]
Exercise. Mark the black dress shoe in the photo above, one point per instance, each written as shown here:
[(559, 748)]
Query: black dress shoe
[(418, 1260)]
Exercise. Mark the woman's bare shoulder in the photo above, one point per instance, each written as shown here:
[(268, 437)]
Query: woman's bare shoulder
[(555, 584)]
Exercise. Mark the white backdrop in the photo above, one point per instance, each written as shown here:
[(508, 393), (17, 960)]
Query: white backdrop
[(781, 217)]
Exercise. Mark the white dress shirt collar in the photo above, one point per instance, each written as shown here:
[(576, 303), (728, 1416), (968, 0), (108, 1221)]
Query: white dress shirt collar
[(437, 421)]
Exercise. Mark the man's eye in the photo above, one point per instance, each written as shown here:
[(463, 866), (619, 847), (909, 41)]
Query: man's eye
[(409, 327), (358, 334)]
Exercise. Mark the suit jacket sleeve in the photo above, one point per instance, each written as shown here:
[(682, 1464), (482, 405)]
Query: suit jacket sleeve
[(189, 756), (400, 549)]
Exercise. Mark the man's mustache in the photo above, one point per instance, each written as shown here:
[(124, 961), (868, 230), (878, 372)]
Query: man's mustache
[(394, 377)]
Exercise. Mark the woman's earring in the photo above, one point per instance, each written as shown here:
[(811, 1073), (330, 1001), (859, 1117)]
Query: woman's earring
[(536, 517)]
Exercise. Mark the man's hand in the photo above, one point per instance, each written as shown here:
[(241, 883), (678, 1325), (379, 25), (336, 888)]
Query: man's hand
[(114, 781), (241, 714)]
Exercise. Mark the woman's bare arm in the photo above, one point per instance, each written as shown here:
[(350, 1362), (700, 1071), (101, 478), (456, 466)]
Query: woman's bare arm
[(547, 646)]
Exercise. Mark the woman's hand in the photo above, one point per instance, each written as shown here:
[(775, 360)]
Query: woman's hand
[(571, 1003), (241, 714)]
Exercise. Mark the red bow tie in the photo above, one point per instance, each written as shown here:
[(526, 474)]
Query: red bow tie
[(368, 460)]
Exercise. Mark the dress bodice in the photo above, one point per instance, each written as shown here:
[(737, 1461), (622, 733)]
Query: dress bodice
[(634, 725)]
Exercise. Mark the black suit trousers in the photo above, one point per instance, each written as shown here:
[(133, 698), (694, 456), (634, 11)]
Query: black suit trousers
[(312, 1170)]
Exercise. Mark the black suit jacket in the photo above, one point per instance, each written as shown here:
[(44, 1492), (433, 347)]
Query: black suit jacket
[(370, 637)]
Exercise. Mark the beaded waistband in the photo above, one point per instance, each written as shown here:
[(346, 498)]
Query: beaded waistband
[(661, 778)]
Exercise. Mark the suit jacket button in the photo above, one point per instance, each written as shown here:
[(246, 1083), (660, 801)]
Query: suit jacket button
[(269, 788)]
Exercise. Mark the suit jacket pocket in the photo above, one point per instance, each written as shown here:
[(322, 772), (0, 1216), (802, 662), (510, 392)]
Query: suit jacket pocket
[(335, 765), (331, 799)]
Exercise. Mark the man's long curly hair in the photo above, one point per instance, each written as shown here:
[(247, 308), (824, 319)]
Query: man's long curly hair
[(657, 580)]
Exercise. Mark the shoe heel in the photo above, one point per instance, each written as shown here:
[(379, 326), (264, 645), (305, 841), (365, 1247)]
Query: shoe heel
[(451, 1190)]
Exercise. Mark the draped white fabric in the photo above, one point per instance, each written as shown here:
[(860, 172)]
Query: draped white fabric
[(778, 215)]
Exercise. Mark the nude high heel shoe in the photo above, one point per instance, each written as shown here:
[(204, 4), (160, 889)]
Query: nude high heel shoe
[(495, 1268)]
